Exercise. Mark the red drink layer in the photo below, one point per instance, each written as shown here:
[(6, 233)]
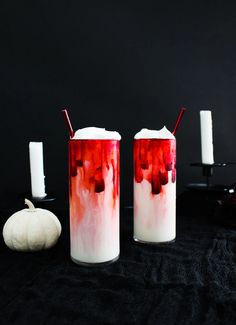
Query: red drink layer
[(94, 199), (154, 189)]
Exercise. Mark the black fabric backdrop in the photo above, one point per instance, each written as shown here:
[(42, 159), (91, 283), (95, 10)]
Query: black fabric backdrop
[(191, 281), (123, 65)]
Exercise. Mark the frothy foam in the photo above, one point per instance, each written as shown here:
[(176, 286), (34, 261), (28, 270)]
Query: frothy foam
[(94, 133), (163, 133)]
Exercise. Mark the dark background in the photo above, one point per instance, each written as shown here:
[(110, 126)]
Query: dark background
[(122, 65)]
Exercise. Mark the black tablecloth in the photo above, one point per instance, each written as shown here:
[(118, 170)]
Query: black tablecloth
[(191, 281)]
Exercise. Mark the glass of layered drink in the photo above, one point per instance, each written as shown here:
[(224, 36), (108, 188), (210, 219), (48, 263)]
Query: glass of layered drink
[(154, 154), (94, 174)]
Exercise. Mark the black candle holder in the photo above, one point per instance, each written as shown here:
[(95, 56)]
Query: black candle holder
[(39, 202), (207, 172), (218, 201), (48, 198)]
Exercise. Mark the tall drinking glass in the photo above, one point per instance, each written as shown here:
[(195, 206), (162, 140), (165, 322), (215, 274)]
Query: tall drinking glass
[(94, 173), (154, 190)]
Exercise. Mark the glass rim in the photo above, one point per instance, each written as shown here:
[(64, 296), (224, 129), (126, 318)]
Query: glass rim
[(95, 140), (154, 139)]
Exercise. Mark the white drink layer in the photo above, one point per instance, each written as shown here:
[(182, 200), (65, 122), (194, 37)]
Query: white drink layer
[(163, 133), (154, 215), (95, 239), (94, 133)]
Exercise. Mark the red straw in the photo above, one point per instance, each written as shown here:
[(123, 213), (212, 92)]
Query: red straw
[(179, 118), (68, 123)]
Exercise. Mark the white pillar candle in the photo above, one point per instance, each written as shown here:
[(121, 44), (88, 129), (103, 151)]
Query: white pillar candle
[(36, 169), (206, 137)]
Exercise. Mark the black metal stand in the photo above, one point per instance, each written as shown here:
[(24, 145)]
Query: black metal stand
[(47, 198), (207, 172), (219, 201), (45, 202)]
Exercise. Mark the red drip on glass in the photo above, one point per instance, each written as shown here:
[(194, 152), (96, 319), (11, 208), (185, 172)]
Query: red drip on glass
[(153, 159), (94, 158)]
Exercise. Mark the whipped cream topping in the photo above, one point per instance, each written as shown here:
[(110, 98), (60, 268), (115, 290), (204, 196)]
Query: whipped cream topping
[(94, 133), (163, 133)]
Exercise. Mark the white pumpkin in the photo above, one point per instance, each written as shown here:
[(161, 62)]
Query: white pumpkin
[(31, 229)]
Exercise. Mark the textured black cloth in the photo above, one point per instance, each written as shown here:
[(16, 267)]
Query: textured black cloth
[(190, 281)]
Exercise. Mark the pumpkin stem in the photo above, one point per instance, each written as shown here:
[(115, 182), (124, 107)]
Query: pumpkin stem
[(30, 204)]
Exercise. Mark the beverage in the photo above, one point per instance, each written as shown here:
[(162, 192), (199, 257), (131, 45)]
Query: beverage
[(154, 186), (94, 157)]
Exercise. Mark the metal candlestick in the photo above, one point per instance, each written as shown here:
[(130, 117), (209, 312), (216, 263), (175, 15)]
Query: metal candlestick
[(45, 202), (207, 172), (218, 201)]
